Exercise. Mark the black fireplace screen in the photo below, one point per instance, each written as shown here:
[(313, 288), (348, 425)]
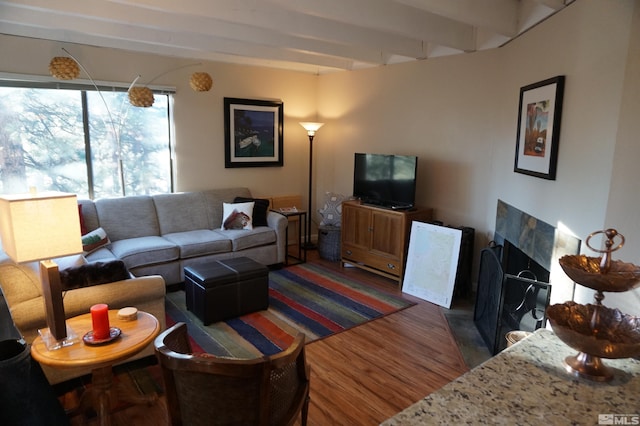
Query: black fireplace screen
[(507, 302)]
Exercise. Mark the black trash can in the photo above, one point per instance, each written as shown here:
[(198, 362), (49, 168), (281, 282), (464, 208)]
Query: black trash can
[(26, 397)]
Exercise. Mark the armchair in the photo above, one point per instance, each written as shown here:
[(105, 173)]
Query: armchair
[(206, 390)]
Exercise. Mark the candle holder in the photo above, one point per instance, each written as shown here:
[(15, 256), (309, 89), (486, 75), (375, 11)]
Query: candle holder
[(593, 329), (89, 338)]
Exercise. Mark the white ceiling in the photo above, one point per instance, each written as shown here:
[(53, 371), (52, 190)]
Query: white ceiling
[(316, 36)]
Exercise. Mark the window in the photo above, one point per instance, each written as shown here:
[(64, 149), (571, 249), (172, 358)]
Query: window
[(94, 144)]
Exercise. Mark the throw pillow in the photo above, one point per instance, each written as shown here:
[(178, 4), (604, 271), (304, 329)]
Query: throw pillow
[(237, 215), (93, 274), (94, 240), (260, 209), (83, 226), (331, 212)]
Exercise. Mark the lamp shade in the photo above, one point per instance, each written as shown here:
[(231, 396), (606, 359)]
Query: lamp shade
[(64, 68), (201, 81), (141, 97), (311, 127), (40, 226)]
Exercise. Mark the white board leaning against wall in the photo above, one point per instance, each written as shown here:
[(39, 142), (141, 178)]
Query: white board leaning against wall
[(432, 263)]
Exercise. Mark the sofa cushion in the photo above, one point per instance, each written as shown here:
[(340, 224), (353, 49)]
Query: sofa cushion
[(145, 251), (237, 215), (200, 242), (242, 239), (70, 261), (172, 212), (103, 254), (128, 217), (93, 274)]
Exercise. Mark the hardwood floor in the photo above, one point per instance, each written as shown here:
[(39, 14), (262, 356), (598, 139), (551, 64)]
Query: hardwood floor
[(367, 374)]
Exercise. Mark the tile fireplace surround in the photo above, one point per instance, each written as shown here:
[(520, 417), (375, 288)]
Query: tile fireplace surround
[(540, 241)]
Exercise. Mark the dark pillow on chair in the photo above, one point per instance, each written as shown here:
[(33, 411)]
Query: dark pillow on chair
[(94, 274), (260, 209)]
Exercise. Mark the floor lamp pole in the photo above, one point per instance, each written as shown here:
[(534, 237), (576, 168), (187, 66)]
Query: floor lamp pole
[(311, 129), (307, 244)]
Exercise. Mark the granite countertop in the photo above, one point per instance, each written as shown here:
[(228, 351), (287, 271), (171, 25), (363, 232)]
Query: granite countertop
[(527, 384)]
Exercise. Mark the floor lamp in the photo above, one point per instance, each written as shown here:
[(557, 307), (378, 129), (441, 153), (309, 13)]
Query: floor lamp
[(311, 129), (43, 226)]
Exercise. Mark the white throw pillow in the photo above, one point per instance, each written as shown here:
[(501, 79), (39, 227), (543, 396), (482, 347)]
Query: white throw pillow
[(237, 215)]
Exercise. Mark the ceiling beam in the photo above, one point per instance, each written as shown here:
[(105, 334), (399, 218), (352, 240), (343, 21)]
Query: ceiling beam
[(281, 18), (75, 29), (499, 16), (389, 17)]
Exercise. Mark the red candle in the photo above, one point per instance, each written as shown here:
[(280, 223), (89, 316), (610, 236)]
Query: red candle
[(100, 320)]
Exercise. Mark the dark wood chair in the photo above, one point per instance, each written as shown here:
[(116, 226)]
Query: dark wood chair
[(205, 390)]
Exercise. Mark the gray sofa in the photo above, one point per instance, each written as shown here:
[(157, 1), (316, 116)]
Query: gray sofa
[(161, 234)]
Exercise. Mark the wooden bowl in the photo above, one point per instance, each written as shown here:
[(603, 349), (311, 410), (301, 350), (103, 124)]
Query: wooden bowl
[(586, 271), (617, 336)]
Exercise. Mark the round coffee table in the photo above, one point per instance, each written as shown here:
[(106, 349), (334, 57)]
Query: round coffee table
[(135, 336)]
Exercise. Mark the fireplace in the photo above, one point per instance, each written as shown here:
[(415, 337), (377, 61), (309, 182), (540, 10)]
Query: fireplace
[(515, 276)]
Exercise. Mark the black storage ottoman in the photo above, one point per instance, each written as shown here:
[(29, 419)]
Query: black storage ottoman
[(227, 288)]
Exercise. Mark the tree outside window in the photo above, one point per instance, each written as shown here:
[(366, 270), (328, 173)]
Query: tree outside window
[(43, 143)]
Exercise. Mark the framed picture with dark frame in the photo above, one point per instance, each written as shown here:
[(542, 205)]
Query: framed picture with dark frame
[(252, 133), (539, 115)]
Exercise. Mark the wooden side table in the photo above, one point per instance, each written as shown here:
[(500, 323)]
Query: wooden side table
[(135, 336)]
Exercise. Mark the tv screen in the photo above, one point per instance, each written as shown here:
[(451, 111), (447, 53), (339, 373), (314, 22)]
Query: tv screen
[(385, 180)]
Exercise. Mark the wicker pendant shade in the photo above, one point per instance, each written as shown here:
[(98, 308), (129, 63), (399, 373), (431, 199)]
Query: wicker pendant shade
[(64, 68), (201, 82), (141, 97)]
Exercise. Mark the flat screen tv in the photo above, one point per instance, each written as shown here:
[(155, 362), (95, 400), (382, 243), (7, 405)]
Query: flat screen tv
[(385, 180)]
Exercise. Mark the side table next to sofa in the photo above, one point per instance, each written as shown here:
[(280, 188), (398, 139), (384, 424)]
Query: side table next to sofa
[(302, 227)]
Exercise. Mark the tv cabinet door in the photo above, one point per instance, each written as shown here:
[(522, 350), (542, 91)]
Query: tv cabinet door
[(356, 228), (387, 238)]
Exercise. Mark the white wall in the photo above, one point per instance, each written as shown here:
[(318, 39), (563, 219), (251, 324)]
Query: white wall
[(200, 130), (624, 197), (459, 115)]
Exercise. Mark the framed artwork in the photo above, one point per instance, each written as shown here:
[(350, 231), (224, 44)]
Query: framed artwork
[(252, 133), (539, 115)]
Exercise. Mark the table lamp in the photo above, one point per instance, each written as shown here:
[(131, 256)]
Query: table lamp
[(43, 226)]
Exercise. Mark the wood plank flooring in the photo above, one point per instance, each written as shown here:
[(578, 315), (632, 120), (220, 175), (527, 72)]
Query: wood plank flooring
[(367, 374)]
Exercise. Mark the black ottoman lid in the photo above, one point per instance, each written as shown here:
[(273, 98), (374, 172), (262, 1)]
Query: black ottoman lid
[(211, 274), (245, 267)]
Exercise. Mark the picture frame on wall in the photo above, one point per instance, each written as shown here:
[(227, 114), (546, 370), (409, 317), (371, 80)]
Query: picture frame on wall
[(253, 133), (539, 116)]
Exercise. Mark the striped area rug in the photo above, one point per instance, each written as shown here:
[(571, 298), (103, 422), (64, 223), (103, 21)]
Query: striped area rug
[(307, 297)]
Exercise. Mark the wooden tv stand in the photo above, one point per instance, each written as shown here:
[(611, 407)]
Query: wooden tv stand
[(377, 239)]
